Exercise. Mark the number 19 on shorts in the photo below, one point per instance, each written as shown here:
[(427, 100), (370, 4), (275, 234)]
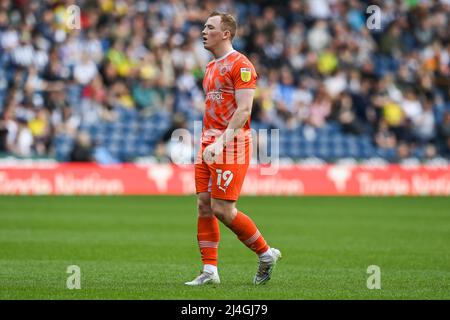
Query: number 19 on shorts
[(224, 177)]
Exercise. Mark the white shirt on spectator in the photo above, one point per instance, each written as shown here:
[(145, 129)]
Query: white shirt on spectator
[(90, 111), (93, 47), (318, 38), (70, 52), (23, 55), (24, 142), (336, 84), (40, 59), (12, 128), (412, 108), (302, 96), (85, 72), (319, 9), (71, 123), (424, 124), (9, 39)]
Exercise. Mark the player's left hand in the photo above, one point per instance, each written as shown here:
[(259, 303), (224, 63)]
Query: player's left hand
[(212, 151)]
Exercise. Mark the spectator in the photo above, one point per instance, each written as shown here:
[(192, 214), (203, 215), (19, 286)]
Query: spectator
[(65, 121), (40, 129), (283, 96), (444, 127), (22, 145), (431, 156), (424, 124), (320, 108), (319, 36), (8, 128), (346, 116), (82, 150), (160, 154), (102, 155), (148, 56), (85, 70), (384, 138), (404, 154), (411, 105)]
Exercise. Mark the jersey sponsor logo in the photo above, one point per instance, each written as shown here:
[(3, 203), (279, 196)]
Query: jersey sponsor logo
[(246, 74), (215, 95)]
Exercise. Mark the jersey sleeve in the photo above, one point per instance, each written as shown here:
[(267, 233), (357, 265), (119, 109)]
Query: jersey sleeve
[(243, 75)]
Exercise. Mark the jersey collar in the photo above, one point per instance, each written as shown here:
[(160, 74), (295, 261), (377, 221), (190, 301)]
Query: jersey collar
[(226, 55)]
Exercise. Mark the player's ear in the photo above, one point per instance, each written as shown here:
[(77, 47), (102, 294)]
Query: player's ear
[(225, 34)]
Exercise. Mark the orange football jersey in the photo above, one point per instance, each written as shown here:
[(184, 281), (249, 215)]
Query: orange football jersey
[(223, 77)]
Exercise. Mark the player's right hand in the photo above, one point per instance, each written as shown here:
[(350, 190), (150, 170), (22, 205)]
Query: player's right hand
[(212, 151), (209, 154)]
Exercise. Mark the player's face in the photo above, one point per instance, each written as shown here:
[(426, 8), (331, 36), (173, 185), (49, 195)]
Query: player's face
[(212, 33)]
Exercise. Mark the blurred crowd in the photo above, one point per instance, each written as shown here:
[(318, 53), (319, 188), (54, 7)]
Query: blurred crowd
[(317, 62)]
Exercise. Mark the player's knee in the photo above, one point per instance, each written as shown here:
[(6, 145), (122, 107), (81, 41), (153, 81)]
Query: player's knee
[(204, 208), (223, 213)]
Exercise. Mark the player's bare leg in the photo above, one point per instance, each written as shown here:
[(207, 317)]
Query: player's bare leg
[(208, 240), (248, 233)]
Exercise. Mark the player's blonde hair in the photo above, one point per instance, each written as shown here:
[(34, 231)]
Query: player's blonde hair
[(227, 22)]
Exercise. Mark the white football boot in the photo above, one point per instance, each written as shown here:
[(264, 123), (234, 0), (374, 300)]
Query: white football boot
[(205, 278), (265, 268)]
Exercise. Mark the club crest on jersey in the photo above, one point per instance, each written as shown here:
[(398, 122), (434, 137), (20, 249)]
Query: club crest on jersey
[(224, 69), (246, 74)]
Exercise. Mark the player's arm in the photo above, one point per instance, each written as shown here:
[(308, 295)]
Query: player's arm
[(244, 101)]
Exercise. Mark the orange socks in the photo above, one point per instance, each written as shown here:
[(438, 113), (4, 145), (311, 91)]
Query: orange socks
[(208, 236), (248, 233)]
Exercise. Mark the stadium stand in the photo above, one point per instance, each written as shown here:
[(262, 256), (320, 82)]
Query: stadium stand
[(121, 83)]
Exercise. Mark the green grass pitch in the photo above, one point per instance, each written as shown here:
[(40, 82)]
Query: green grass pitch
[(145, 248)]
